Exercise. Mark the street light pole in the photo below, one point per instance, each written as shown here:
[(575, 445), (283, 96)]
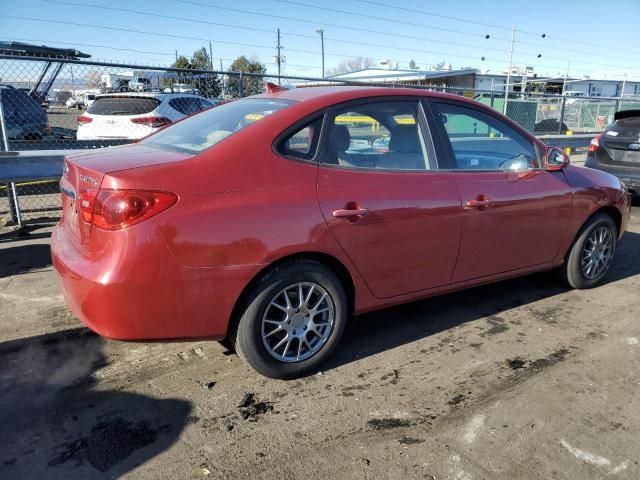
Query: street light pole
[(279, 55), (506, 89), (566, 76), (321, 32)]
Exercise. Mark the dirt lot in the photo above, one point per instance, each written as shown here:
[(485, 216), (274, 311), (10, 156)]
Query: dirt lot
[(519, 380)]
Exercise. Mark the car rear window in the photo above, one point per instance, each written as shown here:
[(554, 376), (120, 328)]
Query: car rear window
[(123, 105), (622, 132), (205, 129)]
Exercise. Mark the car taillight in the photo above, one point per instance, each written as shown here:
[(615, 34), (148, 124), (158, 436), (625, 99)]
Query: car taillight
[(117, 209), (594, 145), (82, 119), (154, 122)]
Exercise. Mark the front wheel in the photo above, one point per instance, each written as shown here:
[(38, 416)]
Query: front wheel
[(592, 253), (293, 320)]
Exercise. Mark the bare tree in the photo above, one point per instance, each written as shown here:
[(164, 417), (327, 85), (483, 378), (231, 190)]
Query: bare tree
[(351, 65), (93, 79)]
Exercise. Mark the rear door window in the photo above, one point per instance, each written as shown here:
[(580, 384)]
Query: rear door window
[(123, 105), (381, 135)]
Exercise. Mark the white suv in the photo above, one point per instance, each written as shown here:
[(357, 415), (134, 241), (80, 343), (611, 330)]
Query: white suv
[(131, 116)]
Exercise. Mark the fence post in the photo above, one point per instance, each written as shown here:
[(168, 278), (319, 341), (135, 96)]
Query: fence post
[(492, 98), (617, 106), (241, 85), (561, 118), (12, 193), (15, 211)]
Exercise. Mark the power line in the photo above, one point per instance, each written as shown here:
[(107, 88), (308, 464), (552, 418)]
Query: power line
[(218, 41), (437, 15), (406, 49), (158, 15), (431, 27), (64, 22), (378, 32), (127, 49), (270, 31), (464, 20), (310, 22)]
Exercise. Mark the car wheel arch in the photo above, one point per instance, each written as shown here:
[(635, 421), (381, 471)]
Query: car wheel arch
[(609, 210), (329, 261)]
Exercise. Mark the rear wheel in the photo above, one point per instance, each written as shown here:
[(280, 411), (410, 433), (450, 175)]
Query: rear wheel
[(592, 253), (292, 321)]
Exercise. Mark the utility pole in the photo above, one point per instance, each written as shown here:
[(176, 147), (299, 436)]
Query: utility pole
[(506, 89), (176, 54), (321, 32), (279, 56), (221, 80), (210, 55), (566, 75)]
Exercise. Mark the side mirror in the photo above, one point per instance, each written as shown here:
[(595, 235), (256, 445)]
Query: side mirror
[(555, 159)]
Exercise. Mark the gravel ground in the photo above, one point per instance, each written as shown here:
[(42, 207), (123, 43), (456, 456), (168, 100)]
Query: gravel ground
[(522, 379)]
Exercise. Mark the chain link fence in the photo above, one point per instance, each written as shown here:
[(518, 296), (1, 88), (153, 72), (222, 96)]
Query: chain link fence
[(60, 104)]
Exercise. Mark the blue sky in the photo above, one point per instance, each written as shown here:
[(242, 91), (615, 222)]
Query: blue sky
[(594, 40)]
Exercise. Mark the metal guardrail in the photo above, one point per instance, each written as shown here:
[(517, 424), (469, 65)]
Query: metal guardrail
[(32, 177), (574, 142)]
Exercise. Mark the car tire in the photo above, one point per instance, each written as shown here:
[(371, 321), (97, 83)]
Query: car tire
[(275, 312), (576, 271)]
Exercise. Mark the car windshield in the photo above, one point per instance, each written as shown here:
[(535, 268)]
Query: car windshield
[(205, 129)]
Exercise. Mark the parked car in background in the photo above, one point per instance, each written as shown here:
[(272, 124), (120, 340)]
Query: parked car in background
[(617, 150), (256, 222), (140, 84), (88, 99), (182, 88), (135, 115), (23, 116), (74, 102)]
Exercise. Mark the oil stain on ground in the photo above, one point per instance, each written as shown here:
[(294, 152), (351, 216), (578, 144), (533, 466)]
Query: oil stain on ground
[(518, 363), (387, 423)]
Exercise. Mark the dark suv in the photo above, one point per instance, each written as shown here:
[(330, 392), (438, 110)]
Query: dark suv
[(23, 116), (617, 150)]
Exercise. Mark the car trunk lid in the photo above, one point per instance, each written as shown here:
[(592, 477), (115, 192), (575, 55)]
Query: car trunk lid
[(83, 173)]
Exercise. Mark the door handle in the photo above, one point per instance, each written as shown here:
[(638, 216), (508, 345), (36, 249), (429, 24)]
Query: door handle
[(350, 212), (485, 203)]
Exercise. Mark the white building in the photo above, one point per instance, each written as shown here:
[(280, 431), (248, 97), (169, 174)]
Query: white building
[(472, 79)]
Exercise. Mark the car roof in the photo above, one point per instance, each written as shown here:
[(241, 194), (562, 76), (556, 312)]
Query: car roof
[(335, 94)]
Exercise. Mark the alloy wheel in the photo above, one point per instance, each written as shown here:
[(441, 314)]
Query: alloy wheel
[(597, 253), (297, 322)]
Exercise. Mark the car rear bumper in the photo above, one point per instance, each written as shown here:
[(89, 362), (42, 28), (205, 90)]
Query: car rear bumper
[(629, 175), (121, 294)]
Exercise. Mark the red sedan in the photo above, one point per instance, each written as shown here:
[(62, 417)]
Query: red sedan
[(267, 222)]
